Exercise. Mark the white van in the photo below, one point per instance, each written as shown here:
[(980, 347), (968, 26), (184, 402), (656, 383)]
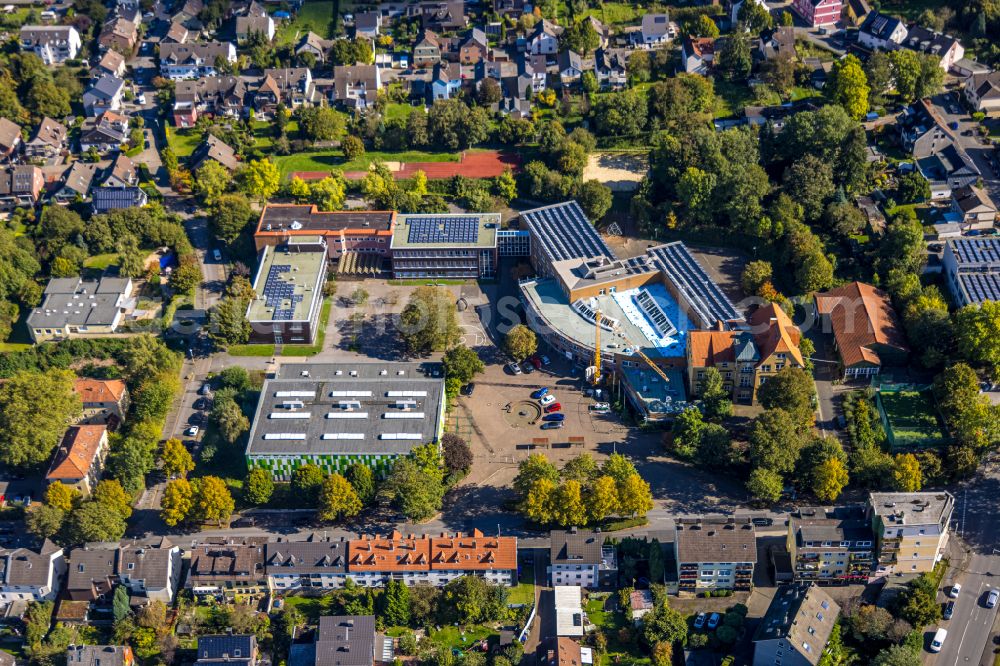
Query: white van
[(938, 640)]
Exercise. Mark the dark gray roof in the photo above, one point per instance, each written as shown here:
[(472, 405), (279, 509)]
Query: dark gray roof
[(570, 59), (564, 232), (286, 216), (91, 569), (305, 557), (921, 39), (107, 87), (579, 547), (80, 176), (95, 655), (345, 640), (879, 25), (147, 563), (715, 540), (804, 616), (190, 53), (110, 198), (73, 301), (214, 148), (229, 648), (25, 567)]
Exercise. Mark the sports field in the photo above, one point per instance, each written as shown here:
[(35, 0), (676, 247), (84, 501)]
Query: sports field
[(912, 418)]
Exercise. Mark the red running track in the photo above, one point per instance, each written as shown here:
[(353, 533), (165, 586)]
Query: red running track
[(488, 164)]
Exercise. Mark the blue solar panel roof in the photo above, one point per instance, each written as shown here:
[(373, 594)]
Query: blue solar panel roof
[(279, 293), (434, 229)]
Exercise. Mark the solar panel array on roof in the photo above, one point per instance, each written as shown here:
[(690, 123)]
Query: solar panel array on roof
[(565, 232), (459, 230), (655, 313), (981, 286), (280, 293), (976, 250), (693, 283)]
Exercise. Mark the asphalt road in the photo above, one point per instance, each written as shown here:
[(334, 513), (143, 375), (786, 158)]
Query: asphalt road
[(971, 627)]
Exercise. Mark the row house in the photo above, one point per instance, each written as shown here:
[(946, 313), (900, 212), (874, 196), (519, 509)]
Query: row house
[(227, 569), (227, 649), (830, 545), (776, 43), (54, 44), (570, 66), (105, 401), (79, 460), (99, 655), (295, 565), (190, 61), (119, 34), (945, 48), (215, 95), (48, 141), (715, 554), (10, 138), (442, 15), (974, 207), (580, 557), (356, 86), (29, 575), (446, 81), (474, 48), (20, 186), (105, 199), (177, 33), (292, 86), (796, 628), (367, 25), (149, 571), (428, 50)]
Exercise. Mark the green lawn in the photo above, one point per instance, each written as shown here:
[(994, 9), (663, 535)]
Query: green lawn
[(290, 350), (393, 111), (912, 418), (311, 607), (100, 261), (804, 92), (314, 15), (329, 160), (806, 49), (731, 98), (524, 593), (612, 623), (183, 141), (616, 13), (461, 639), (251, 350)]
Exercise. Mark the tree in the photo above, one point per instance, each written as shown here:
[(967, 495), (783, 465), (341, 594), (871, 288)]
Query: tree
[(230, 419), (663, 652), (353, 147), (844, 219), (917, 604), (259, 486), (212, 180), (43, 520), (686, 433), (428, 322), (60, 496), (694, 189), (634, 496), (620, 114), (714, 395), (977, 329), (229, 216), (755, 275), (848, 87), (457, 454), (110, 495), (228, 324), (337, 499), (329, 193), (829, 479), (870, 622), (618, 467), (537, 500), (530, 470), (177, 461), (775, 442), (567, 507), (454, 126), (791, 389), (581, 37), (755, 17), (322, 123), (703, 26), (93, 522), (734, 58), (809, 181), (462, 363), (175, 507), (520, 342), (34, 410), (588, 81), (664, 624), (396, 604), (602, 499), (416, 492), (913, 188), (211, 499), (261, 179), (120, 608), (906, 473), (306, 482), (595, 198), (765, 485), (489, 92), (898, 655)]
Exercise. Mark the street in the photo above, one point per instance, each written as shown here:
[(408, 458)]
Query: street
[(971, 627)]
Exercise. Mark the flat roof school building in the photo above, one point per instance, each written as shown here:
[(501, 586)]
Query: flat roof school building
[(365, 232), (460, 246), (972, 269), (336, 415), (288, 292)]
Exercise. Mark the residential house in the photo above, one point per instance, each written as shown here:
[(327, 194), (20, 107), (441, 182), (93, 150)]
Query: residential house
[(975, 207), (347, 639), (866, 330), (151, 571), (356, 86), (104, 199), (911, 530), (428, 50), (443, 15), (314, 44), (64, 312), (817, 13), (10, 139), (228, 569), (971, 267), (20, 186), (509, 7), (216, 150), (437, 561), (367, 25), (735, 7), (830, 545), (570, 67), (77, 181), (565, 651), (982, 91), (105, 95), (248, 25), (105, 134), (474, 48), (293, 565), (536, 67), (610, 66), (715, 553), (121, 173), (640, 603), (778, 42), (944, 47), (91, 572), (191, 61), (855, 12), (745, 358), (881, 32), (579, 557), (119, 34), (291, 86), (568, 610), (796, 627), (447, 80), (188, 14), (544, 39), (215, 95), (99, 655), (54, 44), (79, 460), (220, 649), (27, 575), (49, 140), (603, 32), (105, 401), (655, 31), (112, 62), (698, 54), (176, 34)]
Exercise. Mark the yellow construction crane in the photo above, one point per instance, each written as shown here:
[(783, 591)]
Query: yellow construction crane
[(597, 347), (655, 367)]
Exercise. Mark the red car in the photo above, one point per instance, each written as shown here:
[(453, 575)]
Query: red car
[(554, 407), (537, 362)]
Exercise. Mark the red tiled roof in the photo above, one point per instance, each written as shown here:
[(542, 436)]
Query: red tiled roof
[(399, 553), (709, 348), (99, 390), (780, 336), (77, 452), (473, 552), (861, 316)]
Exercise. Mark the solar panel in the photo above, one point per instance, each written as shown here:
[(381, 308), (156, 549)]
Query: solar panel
[(565, 233), (657, 317), (981, 287), (441, 229), (702, 294), (976, 250), (279, 293)]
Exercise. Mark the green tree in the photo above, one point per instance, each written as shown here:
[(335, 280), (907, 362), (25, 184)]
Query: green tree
[(977, 334), (109, 494), (829, 479), (520, 342), (755, 275), (913, 188), (261, 179), (429, 322), (211, 499), (34, 410), (227, 322), (620, 114), (530, 470), (898, 655), (229, 419), (337, 499), (462, 363), (917, 604), (715, 396), (906, 473), (329, 194), (702, 26), (416, 492), (755, 17), (93, 522), (178, 497), (396, 604), (44, 521), (775, 442), (211, 181), (259, 486), (734, 59), (595, 199), (353, 147), (583, 468), (809, 181), (581, 37), (694, 189), (634, 496), (322, 123), (120, 608), (177, 461), (686, 433), (363, 481), (618, 467), (602, 499), (664, 624), (765, 485), (848, 87), (791, 389), (306, 483)]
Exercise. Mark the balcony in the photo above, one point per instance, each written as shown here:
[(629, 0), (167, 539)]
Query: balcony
[(689, 567)]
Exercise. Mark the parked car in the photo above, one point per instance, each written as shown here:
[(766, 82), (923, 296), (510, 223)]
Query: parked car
[(528, 368), (557, 416), (554, 407), (545, 359), (217, 254), (552, 425), (600, 407), (699, 620), (949, 610), (955, 590), (761, 521), (938, 640), (537, 362), (547, 399), (514, 368), (991, 598), (713, 620), (468, 389), (205, 389), (192, 431), (537, 395)]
